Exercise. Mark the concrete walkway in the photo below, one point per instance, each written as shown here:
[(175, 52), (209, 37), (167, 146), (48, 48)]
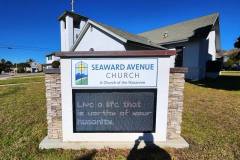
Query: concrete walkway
[(59, 144)]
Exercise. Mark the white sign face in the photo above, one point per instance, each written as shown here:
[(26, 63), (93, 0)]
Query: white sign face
[(122, 72)]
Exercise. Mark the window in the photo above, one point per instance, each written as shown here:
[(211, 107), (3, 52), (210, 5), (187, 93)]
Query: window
[(179, 57), (49, 58)]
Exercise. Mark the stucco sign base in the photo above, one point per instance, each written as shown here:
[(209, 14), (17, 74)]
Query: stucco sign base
[(59, 144)]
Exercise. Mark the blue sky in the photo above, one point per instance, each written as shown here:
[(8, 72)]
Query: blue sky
[(31, 30)]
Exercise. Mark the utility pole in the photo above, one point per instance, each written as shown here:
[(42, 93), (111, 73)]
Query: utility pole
[(16, 69), (72, 3)]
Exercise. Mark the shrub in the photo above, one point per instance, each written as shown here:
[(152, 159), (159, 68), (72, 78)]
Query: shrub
[(55, 64), (213, 66)]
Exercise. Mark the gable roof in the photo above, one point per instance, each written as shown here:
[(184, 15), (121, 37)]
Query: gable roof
[(130, 37), (112, 31), (181, 31), (72, 14)]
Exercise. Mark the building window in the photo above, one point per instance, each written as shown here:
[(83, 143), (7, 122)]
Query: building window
[(179, 57), (49, 58)]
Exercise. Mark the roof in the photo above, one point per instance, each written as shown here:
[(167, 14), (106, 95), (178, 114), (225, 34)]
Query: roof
[(181, 31), (50, 54), (131, 37), (231, 52), (107, 54), (126, 35), (72, 14)]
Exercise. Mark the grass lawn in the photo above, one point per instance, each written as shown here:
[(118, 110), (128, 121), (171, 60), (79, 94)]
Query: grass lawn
[(231, 73), (16, 80), (211, 122)]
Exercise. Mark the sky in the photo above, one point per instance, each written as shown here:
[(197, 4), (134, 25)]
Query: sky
[(30, 29)]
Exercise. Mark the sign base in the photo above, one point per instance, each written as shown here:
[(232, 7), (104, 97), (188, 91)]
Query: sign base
[(47, 143)]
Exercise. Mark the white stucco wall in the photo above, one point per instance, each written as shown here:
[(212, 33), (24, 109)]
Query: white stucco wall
[(212, 44), (218, 35), (99, 41), (54, 58), (172, 59), (69, 33), (63, 35), (82, 24)]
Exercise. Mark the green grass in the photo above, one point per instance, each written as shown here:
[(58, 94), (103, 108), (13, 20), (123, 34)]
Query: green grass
[(16, 80), (210, 123)]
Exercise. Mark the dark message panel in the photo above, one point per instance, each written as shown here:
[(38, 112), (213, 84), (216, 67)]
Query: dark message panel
[(114, 110)]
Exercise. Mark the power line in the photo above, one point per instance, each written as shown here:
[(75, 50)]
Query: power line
[(21, 47)]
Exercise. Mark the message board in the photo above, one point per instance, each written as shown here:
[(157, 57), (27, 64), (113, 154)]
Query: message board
[(114, 110), (122, 72)]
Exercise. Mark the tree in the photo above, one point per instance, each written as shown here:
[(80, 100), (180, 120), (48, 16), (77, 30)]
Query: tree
[(233, 56), (237, 43), (3, 61), (8, 66), (22, 67), (2, 65), (55, 64), (5, 66), (30, 60)]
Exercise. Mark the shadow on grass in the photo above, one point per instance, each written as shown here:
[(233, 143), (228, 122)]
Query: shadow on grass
[(231, 83), (150, 152), (88, 156)]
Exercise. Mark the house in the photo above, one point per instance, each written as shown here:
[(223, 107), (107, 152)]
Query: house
[(196, 41), (49, 59), (34, 67)]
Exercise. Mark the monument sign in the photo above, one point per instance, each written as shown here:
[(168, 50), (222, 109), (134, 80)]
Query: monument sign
[(110, 98), (104, 97)]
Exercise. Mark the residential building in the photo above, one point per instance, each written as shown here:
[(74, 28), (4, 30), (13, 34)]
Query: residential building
[(49, 59)]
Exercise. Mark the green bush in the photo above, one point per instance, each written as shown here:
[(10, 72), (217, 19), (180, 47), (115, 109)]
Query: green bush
[(213, 66), (55, 64)]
